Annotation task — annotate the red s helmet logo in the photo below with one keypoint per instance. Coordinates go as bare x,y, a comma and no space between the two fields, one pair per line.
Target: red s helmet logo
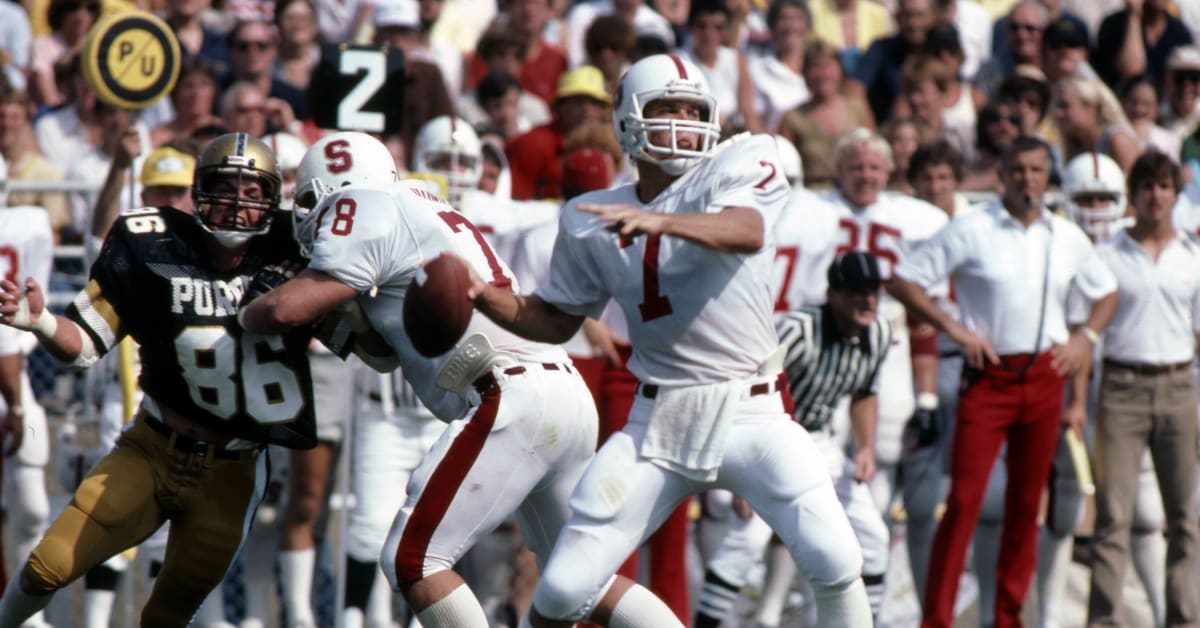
338,154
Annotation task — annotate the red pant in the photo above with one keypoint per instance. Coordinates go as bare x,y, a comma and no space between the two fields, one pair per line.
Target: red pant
1027,411
668,546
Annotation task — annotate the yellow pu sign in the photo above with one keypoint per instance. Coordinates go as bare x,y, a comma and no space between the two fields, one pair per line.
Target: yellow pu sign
131,59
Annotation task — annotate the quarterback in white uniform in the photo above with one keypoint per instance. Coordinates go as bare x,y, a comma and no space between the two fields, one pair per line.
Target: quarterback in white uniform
26,249
888,226
686,253
522,423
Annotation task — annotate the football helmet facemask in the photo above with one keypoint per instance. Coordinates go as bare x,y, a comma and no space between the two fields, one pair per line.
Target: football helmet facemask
1095,175
224,165
448,146
659,77
333,162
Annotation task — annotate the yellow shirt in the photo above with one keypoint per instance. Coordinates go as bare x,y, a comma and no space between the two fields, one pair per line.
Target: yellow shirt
871,21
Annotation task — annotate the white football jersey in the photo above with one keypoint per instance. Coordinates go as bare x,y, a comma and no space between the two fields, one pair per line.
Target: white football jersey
26,250
375,238
806,240
695,315
504,221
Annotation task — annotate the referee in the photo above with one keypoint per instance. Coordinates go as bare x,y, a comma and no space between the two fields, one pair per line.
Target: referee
833,351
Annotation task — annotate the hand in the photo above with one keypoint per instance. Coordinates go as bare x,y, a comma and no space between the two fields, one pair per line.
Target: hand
128,147
921,430
1072,357
1074,417
627,220
1135,7
269,278
12,429
601,338
977,351
478,285
864,464
279,113
741,508
21,311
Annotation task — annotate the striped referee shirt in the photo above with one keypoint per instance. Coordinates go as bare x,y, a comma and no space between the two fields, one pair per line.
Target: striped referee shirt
822,366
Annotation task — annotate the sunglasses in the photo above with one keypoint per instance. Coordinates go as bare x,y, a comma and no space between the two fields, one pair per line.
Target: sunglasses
244,46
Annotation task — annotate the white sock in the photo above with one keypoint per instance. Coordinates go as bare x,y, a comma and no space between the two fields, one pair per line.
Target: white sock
639,608
781,570
98,605
17,606
379,604
296,573
1149,553
459,609
1053,567
844,605
352,618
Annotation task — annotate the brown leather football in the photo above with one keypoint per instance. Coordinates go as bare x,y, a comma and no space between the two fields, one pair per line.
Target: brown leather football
437,310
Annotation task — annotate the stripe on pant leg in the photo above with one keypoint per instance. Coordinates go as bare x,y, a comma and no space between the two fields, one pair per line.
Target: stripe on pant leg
443,485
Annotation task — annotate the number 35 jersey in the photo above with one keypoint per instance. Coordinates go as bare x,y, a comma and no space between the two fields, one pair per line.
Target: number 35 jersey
154,281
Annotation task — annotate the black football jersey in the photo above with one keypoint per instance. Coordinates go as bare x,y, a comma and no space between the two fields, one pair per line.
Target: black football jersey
154,281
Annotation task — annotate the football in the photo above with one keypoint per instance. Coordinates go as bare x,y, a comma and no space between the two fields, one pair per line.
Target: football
436,308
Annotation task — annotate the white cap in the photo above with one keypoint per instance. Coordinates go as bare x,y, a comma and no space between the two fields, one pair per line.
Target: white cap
397,13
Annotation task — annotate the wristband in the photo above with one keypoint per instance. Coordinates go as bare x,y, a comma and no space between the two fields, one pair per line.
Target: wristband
45,326
927,401
1090,334
17,410
241,316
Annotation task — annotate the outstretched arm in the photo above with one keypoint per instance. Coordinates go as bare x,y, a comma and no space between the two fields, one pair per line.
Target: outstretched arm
525,315
301,300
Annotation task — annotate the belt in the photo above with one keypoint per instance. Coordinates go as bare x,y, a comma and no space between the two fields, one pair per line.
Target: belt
952,353
650,391
1148,369
187,444
487,380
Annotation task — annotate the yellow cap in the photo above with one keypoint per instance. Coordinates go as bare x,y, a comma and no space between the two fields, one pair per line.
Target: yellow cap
583,81
167,167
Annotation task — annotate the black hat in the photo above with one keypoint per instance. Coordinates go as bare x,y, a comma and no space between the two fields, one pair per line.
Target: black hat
853,270
1064,33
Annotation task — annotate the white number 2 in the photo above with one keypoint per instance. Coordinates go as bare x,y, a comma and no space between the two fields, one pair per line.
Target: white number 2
350,110
209,360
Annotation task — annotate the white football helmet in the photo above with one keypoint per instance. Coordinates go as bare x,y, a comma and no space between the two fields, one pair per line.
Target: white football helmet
1094,174
448,146
789,160
333,162
289,150
659,77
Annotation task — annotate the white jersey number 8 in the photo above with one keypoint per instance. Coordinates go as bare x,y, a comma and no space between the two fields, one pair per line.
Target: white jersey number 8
209,358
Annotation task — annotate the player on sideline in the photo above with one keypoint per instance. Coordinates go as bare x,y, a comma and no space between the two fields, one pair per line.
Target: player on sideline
686,254
522,423
214,395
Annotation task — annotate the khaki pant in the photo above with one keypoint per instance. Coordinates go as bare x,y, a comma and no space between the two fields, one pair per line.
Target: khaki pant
1136,410
208,495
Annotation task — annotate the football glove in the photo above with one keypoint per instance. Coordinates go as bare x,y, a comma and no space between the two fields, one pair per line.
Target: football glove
921,430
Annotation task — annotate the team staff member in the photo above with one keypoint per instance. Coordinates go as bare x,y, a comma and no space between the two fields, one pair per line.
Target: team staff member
1018,355
1148,393
213,395
834,351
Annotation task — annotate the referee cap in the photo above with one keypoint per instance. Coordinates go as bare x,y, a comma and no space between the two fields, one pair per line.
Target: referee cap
853,270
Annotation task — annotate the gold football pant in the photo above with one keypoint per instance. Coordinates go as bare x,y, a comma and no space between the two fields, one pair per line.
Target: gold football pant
151,476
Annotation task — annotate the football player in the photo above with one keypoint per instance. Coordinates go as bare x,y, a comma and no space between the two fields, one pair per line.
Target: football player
522,424
685,252
214,395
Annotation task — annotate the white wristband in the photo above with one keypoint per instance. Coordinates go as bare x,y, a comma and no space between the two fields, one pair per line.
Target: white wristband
45,326
927,401
1090,334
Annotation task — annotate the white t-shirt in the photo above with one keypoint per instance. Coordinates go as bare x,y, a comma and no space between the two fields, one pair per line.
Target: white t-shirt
26,250
391,231
1159,312
777,89
998,267
695,315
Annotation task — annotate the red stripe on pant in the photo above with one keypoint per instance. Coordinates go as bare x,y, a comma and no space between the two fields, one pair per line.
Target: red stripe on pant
668,545
1027,411
443,485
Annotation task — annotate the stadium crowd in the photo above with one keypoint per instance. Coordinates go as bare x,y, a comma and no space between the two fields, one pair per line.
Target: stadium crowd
1023,177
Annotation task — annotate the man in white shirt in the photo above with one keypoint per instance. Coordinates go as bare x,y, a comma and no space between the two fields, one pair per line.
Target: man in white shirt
1012,265
686,254
1148,393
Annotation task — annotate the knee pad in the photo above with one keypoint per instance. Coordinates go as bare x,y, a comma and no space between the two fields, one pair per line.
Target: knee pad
562,595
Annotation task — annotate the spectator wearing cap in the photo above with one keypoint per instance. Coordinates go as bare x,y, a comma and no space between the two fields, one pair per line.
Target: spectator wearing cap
870,19
540,64
534,156
165,180
1181,111
1023,30
1065,51
253,48
646,22
778,77
723,67
1013,264
25,160
406,25
877,74
1148,395
1138,40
